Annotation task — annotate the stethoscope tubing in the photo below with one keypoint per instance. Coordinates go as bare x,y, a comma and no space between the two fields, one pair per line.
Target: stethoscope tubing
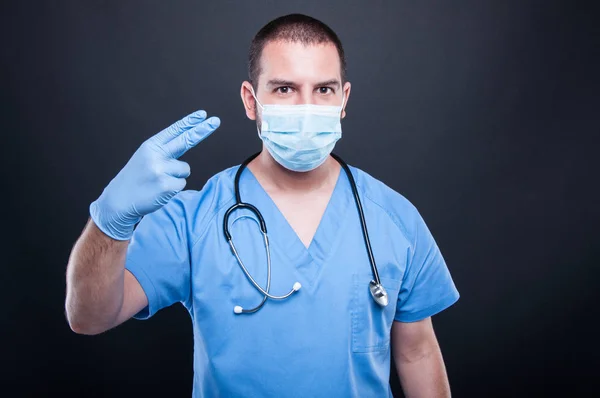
377,290
361,214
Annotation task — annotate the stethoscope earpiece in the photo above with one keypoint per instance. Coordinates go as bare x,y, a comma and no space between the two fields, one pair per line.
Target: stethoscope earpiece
239,310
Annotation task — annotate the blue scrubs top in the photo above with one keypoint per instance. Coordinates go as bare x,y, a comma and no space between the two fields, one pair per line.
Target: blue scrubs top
329,339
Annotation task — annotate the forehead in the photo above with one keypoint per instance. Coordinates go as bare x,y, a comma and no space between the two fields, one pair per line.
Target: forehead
299,62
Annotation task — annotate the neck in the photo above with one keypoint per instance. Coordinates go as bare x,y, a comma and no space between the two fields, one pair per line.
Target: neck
277,178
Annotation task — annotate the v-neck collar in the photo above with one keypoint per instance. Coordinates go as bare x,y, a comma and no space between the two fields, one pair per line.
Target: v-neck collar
308,262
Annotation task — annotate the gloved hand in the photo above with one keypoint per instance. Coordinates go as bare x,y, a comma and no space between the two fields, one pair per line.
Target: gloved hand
151,178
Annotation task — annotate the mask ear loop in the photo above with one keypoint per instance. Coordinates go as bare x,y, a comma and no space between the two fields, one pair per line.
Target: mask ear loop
261,107
256,99
343,102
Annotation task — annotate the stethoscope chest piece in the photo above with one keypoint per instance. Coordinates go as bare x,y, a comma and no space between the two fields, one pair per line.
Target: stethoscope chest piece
379,294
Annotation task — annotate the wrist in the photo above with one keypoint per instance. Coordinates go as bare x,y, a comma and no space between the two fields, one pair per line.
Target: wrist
109,222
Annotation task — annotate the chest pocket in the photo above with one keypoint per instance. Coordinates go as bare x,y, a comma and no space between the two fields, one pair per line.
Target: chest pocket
371,323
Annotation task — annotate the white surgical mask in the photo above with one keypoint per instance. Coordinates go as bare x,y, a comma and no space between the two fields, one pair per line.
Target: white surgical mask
300,137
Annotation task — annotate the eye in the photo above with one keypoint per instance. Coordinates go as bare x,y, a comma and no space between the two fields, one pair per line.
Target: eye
283,89
325,90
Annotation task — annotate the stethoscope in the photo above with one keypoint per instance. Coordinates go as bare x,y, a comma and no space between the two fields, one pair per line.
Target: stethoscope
377,290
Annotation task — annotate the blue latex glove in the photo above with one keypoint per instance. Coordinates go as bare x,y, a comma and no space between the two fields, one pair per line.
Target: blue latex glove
151,178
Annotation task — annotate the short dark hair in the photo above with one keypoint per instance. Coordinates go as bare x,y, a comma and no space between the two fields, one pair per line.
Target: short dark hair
294,28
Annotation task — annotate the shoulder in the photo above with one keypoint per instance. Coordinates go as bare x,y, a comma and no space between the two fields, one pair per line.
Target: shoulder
197,207
400,210
219,185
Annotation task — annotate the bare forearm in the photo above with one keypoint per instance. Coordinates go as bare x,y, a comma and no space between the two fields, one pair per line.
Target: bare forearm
423,374
95,281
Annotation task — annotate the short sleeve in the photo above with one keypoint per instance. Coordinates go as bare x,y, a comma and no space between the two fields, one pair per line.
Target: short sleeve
158,257
427,287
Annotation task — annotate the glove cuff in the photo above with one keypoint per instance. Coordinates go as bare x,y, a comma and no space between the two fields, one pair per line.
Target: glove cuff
111,226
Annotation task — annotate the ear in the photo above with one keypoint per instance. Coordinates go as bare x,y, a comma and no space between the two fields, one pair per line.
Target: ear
346,91
248,100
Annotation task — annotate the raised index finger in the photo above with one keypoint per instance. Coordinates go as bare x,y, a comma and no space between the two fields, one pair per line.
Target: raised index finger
180,126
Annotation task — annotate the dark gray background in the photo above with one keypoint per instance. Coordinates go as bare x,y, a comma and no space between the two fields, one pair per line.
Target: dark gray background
483,114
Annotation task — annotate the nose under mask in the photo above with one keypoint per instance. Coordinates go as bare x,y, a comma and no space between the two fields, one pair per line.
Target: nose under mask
300,137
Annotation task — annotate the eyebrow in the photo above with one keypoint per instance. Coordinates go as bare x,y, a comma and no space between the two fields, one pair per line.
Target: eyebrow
281,82
331,82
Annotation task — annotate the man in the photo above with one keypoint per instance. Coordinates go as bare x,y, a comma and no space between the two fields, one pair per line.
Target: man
333,333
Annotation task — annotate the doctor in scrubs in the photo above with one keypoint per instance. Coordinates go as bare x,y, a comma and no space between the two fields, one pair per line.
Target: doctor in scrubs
281,298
